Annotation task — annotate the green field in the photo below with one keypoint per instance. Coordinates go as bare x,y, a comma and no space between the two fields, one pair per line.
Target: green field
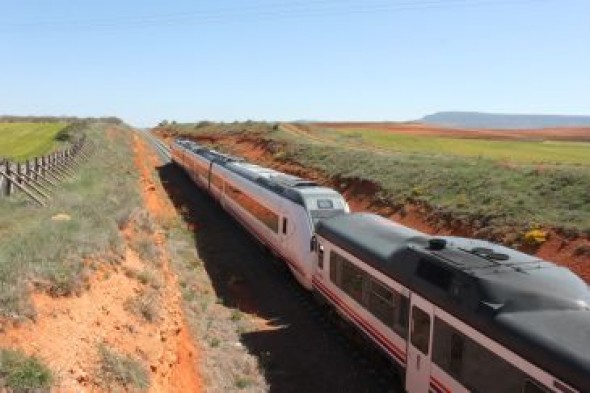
21,141
554,152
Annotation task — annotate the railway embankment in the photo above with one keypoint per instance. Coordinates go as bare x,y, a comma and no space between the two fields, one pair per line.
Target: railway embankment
88,299
537,208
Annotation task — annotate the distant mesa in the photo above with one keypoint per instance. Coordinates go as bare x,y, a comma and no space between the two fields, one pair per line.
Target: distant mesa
503,121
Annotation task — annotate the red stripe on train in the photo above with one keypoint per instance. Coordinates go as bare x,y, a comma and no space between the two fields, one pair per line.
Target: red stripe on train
437,384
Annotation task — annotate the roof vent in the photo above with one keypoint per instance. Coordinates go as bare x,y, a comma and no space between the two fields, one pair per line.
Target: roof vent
437,244
498,257
488,253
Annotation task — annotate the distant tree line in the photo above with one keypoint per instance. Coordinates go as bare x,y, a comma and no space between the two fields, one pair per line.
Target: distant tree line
70,132
60,119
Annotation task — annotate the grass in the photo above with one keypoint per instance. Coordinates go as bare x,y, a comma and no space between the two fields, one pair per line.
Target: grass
53,254
555,152
481,190
497,187
21,141
146,305
117,370
19,372
150,277
143,244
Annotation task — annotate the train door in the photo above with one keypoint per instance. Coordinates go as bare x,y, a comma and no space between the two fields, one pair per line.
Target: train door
419,345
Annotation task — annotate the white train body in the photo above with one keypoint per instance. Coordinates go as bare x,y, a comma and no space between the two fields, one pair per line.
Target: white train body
278,209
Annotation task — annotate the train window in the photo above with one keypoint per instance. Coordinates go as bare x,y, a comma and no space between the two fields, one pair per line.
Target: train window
320,256
475,367
335,268
284,225
216,180
402,315
420,330
456,354
263,214
352,280
380,302
434,274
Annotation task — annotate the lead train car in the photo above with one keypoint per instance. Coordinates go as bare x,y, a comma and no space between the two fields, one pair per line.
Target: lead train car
280,210
455,314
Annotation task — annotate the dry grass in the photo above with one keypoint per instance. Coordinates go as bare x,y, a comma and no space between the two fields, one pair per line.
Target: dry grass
147,250
119,371
52,253
146,305
226,364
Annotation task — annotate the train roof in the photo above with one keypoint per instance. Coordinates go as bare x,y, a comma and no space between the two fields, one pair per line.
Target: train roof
288,186
530,305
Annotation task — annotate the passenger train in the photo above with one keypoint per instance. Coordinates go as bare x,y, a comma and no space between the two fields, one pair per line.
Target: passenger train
280,210
453,314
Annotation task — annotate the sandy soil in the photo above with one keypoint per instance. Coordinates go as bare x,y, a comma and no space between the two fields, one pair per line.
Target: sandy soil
68,331
360,196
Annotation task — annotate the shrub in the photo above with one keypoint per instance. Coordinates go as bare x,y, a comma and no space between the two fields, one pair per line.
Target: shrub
147,251
535,237
149,277
117,369
20,372
145,305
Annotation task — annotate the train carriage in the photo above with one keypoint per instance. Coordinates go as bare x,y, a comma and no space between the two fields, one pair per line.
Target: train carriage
457,315
280,210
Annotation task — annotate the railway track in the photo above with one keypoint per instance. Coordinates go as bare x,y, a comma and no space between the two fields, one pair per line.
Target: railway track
160,147
307,348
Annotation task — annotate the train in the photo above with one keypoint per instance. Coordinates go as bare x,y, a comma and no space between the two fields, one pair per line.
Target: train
279,210
452,314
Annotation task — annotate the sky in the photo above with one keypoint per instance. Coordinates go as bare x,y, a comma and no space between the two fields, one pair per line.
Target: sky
225,60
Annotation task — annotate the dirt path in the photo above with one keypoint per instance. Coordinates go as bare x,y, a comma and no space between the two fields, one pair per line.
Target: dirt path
68,332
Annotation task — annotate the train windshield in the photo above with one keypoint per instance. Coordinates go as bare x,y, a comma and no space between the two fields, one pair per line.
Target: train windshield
324,206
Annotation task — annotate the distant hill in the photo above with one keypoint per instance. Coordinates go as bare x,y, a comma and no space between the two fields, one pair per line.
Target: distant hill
491,120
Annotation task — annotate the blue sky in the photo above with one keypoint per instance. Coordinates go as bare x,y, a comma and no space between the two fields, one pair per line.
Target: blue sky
185,60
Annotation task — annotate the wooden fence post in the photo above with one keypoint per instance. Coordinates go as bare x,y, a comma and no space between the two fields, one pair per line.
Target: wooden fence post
10,186
2,178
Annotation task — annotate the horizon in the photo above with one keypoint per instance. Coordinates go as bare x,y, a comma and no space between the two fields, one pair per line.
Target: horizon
260,60
418,120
